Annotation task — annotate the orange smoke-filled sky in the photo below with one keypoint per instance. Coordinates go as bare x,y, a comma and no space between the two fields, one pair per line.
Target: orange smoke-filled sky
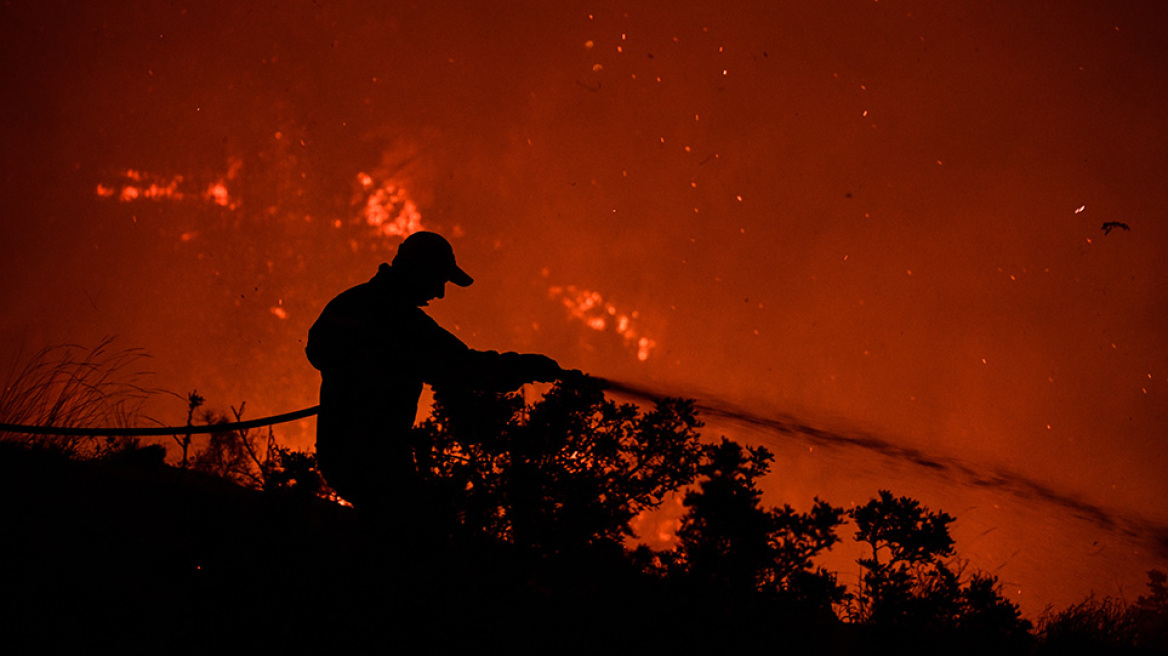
879,216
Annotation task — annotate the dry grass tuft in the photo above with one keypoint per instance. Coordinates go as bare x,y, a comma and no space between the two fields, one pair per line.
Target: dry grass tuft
70,386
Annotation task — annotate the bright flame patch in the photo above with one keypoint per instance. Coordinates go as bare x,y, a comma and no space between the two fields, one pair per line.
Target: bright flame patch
388,208
134,185
600,315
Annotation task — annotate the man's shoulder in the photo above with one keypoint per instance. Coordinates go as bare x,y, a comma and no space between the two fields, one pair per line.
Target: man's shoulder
367,302
359,291
358,299
417,318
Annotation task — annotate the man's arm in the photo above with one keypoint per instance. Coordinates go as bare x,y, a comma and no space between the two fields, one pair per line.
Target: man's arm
447,361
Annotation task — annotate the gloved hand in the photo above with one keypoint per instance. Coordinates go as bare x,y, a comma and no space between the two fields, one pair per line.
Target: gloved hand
541,368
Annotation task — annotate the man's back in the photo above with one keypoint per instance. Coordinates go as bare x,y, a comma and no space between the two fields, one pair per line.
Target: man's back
374,349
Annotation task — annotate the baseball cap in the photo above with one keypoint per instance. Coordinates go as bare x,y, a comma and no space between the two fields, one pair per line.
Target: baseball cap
430,250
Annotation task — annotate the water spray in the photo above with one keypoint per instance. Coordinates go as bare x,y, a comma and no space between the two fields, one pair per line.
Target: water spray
947,467
950,468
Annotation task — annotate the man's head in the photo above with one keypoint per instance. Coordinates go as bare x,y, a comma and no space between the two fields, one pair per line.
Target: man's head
425,262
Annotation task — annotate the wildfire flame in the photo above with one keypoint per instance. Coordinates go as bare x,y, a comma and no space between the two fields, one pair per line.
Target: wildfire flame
388,208
596,313
136,185
217,191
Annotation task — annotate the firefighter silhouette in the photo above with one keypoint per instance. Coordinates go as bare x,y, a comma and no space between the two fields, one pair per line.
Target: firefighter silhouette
375,347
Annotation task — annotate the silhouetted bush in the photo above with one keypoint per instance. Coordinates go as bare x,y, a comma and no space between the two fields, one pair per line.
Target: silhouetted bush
1093,626
568,471
131,452
1149,615
1105,625
295,472
910,593
731,545
255,460
905,581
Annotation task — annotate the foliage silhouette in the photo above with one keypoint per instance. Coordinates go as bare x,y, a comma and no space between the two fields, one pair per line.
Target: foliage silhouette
560,479
729,543
911,574
248,459
910,589
1149,615
1092,626
131,452
567,472
1108,626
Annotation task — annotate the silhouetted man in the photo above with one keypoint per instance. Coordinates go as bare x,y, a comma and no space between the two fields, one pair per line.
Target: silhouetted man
374,347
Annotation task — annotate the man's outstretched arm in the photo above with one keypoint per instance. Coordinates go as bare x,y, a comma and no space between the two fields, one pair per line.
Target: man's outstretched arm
447,361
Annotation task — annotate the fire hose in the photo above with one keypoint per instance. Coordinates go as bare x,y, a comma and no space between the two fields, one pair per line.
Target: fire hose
117,431
158,431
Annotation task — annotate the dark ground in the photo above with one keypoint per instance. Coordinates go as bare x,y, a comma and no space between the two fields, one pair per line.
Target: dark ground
148,557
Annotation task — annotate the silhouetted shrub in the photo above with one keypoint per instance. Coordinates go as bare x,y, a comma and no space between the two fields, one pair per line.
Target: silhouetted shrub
1149,615
295,472
131,452
256,460
729,542
569,470
911,594
1092,626
1107,626
905,581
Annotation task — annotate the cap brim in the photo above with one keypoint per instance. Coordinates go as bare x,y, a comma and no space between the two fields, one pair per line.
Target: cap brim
459,277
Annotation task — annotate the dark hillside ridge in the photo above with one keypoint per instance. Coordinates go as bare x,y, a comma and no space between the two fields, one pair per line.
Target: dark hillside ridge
145,556
141,550
136,556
